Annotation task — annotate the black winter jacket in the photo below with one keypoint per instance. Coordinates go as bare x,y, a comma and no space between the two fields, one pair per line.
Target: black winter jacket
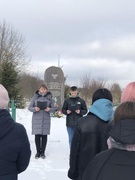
14,147
88,140
115,163
71,119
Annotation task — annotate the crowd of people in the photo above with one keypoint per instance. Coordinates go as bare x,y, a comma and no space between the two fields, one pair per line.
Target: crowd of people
101,140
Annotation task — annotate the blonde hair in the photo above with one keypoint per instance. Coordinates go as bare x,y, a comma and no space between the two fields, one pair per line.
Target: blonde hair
128,93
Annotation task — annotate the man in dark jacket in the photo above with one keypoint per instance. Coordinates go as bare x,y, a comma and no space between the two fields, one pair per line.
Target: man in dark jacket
90,137
14,144
74,108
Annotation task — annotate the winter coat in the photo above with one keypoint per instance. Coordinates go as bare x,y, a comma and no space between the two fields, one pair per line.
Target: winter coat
89,139
115,163
71,119
14,147
41,119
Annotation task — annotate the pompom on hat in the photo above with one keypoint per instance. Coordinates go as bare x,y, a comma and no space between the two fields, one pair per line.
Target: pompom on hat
4,98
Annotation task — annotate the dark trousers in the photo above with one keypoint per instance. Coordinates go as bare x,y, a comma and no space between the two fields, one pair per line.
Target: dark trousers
40,141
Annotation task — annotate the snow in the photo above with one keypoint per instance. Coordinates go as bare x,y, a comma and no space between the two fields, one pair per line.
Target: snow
56,163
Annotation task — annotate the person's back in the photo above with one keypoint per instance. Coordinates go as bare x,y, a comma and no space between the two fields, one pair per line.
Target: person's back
92,140
113,164
119,161
14,145
90,135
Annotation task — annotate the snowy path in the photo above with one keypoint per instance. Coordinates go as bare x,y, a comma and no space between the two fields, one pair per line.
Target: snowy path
55,165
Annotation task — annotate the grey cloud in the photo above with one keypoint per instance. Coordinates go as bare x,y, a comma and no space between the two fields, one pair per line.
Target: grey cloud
81,32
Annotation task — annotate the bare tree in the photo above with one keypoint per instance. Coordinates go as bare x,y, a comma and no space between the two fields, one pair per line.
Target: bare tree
13,60
97,83
28,84
85,86
116,92
12,47
89,85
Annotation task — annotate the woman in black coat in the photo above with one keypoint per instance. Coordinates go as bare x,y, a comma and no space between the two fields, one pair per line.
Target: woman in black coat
118,162
14,144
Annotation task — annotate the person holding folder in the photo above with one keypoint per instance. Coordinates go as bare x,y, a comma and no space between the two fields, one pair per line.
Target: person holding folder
42,104
74,108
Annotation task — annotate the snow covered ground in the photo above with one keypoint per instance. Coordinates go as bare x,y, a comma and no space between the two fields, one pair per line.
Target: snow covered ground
56,163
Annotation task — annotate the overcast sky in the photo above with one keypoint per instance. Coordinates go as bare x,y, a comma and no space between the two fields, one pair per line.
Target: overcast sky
93,37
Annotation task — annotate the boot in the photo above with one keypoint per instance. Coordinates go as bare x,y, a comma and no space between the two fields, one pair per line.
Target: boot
42,155
37,155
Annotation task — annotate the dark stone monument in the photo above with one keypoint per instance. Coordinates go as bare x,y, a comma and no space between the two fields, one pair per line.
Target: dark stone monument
54,79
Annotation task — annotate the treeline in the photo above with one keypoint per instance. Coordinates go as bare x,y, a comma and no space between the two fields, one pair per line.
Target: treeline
88,85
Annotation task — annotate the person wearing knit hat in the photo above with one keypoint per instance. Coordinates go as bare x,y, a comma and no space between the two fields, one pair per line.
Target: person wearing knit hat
4,98
14,144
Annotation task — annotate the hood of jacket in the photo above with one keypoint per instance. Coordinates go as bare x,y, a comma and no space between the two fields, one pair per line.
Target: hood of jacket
70,96
6,123
48,94
123,131
103,109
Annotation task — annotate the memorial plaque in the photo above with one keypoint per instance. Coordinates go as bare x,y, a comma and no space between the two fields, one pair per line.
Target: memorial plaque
54,79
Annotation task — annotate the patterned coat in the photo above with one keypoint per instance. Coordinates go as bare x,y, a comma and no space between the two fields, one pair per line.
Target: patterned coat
41,120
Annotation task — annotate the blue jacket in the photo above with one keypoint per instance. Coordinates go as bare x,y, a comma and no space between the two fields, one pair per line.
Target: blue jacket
14,147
